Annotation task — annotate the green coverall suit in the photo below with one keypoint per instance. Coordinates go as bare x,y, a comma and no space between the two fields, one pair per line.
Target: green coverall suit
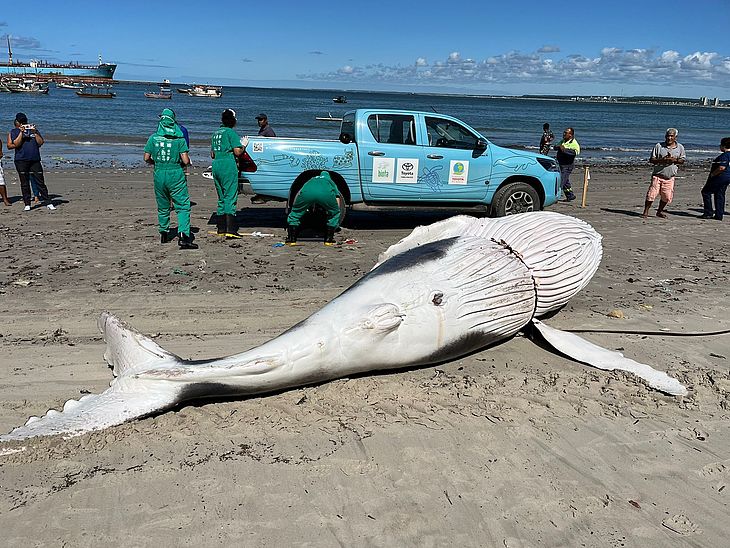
225,169
322,191
165,147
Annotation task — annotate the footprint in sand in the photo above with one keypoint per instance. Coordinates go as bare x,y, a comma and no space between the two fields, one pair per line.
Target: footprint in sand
681,525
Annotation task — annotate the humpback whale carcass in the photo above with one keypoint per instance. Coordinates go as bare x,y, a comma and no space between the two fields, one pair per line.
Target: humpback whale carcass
444,291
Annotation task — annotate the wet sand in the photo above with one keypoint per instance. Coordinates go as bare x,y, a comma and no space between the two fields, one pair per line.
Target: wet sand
513,446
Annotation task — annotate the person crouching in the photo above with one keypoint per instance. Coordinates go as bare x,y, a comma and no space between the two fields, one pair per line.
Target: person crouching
167,150
322,191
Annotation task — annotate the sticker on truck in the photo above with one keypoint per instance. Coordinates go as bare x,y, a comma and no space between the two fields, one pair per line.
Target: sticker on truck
458,172
407,170
383,170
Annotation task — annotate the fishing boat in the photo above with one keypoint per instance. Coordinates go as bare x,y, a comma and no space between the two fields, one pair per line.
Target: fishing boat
96,92
25,85
164,93
69,85
339,99
45,69
197,90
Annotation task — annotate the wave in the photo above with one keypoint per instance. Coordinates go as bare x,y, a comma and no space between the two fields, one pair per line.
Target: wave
105,143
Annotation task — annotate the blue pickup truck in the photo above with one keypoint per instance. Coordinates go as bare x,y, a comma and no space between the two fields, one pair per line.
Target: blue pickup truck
393,159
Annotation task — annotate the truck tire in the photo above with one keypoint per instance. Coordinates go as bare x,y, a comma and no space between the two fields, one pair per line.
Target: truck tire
316,218
513,198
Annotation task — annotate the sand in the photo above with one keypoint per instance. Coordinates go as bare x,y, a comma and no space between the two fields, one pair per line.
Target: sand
512,447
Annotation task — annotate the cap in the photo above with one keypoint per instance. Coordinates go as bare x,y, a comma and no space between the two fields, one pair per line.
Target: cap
261,116
21,118
233,112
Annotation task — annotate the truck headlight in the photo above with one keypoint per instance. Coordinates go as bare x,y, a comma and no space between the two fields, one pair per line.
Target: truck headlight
549,165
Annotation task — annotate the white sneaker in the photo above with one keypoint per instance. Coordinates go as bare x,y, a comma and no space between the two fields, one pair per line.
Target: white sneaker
26,208
51,207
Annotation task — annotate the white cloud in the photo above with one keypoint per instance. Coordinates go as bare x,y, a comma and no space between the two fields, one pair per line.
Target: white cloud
548,49
615,65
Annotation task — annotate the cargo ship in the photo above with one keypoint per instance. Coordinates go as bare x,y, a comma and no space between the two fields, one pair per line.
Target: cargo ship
51,71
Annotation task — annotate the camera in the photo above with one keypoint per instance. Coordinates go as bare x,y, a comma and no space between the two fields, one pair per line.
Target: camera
28,129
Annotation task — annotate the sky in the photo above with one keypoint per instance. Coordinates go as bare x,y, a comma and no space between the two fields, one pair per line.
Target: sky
670,48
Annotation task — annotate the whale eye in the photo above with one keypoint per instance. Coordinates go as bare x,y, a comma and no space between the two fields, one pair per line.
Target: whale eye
437,299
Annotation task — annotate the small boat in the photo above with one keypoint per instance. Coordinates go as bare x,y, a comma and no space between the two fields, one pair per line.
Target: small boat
328,118
96,92
205,91
164,93
73,85
25,85
339,99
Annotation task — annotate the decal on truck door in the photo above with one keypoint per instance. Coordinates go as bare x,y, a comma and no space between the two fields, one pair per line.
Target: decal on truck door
407,170
383,170
458,172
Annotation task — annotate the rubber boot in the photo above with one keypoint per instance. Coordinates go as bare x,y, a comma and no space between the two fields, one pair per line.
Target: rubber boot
329,238
292,232
185,241
221,225
166,237
231,227
4,195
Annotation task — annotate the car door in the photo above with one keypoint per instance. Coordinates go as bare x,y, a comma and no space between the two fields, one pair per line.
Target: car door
389,157
457,161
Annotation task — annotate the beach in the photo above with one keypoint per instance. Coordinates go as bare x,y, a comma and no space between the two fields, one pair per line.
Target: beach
513,446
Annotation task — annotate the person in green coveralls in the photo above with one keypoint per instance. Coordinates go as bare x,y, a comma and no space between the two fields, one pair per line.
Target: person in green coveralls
322,191
225,147
167,151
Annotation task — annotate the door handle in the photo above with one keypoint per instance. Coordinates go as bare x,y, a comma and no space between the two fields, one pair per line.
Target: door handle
376,153
435,157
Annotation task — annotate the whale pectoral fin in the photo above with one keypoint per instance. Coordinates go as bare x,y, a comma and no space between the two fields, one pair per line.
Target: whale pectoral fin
119,403
586,352
382,318
127,348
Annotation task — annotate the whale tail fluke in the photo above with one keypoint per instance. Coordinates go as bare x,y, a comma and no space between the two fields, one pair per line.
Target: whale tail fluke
586,352
124,400
128,397
128,349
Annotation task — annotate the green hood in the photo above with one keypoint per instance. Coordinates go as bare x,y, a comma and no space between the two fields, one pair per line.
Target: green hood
168,126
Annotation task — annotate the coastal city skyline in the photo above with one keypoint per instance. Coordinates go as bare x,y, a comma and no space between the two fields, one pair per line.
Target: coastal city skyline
532,48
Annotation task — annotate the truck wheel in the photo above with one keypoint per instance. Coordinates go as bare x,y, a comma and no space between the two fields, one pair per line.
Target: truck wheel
515,198
316,217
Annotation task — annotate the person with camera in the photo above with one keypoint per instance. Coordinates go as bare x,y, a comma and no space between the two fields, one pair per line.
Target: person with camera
26,140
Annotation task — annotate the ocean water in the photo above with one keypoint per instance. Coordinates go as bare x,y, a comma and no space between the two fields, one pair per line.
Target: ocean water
112,132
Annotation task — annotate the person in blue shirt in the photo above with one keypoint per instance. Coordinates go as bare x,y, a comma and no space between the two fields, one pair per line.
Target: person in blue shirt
717,183
26,140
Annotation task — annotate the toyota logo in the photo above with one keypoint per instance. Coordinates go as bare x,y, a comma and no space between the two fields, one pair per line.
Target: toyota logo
408,166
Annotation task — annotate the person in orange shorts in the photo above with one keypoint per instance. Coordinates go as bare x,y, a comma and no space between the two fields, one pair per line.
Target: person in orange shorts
665,157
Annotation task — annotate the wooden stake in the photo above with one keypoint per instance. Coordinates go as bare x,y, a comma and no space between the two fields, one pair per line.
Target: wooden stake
586,178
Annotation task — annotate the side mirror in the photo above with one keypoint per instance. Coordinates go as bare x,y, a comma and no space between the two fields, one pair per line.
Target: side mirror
345,138
479,147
